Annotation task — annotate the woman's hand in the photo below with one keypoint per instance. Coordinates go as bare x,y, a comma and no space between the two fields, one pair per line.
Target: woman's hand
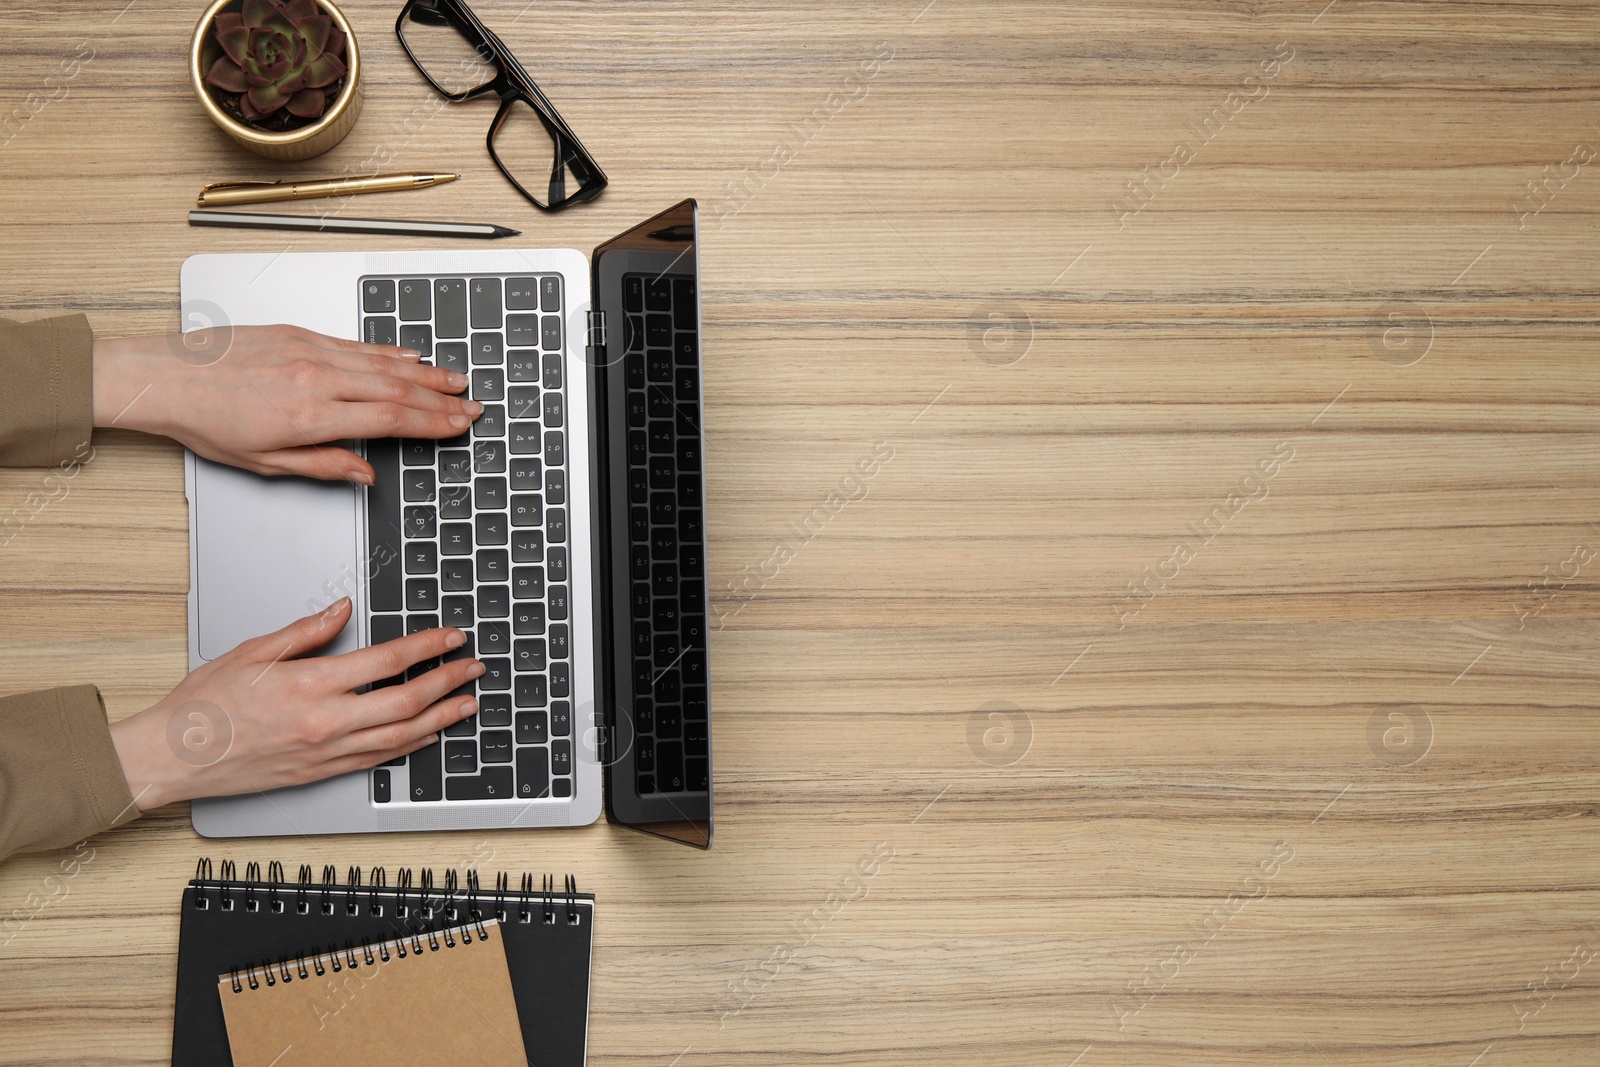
270,398
259,718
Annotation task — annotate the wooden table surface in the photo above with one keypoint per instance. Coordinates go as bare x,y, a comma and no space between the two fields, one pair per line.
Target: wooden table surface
1209,661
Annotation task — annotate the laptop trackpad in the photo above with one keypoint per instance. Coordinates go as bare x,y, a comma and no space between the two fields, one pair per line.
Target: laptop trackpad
269,551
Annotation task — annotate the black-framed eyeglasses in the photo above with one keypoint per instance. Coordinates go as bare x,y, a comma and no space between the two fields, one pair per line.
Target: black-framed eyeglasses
462,59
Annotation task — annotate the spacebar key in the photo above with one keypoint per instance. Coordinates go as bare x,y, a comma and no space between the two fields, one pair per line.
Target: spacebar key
384,561
493,784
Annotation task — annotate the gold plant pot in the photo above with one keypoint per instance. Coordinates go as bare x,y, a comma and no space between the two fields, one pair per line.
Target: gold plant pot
307,141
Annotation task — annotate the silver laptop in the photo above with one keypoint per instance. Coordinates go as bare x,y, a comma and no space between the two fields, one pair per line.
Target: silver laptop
564,533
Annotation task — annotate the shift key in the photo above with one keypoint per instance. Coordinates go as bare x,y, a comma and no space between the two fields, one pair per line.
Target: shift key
426,774
533,773
383,526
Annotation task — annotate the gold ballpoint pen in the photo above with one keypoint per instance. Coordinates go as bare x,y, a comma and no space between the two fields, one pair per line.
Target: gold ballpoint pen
222,194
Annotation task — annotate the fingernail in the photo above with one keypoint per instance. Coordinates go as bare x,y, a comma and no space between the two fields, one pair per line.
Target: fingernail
460,422
410,354
455,639
475,670
360,477
457,379
473,408
469,707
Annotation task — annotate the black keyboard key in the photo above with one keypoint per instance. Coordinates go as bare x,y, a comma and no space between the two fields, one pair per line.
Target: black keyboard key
638,411
524,439
666,651
555,449
635,373
416,453
689,454
495,710
662,473
533,773
385,628
644,716
669,766
522,294
662,439
496,676
559,642
663,508
491,422
696,741
550,333
522,331
692,561
485,303
556,565
494,746
689,490
552,410
383,527
455,502
560,680
555,525
380,786
527,583
455,465
451,355
457,611
560,757
527,510
529,656
555,599
658,332
460,757
455,539
555,487
422,557
487,349
419,339
522,365
638,485
694,702
658,366
527,618
527,546
493,602
491,530
494,638
638,448
489,494
552,371
658,294
422,594
462,728
658,402
493,784
550,293
526,475
669,721
522,402
664,543
416,300
488,383
533,727
693,665
450,307
426,773
686,387
419,483
415,624
644,755
419,521
489,457
696,774
377,296
641,565
561,719
633,293
492,563
641,638
531,691
639,525
684,304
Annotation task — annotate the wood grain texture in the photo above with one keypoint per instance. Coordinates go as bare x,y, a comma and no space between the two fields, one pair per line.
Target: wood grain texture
1353,673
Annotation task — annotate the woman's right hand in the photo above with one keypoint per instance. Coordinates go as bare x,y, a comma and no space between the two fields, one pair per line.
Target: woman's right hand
259,717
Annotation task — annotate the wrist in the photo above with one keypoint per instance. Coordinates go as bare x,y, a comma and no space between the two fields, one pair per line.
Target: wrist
126,375
154,777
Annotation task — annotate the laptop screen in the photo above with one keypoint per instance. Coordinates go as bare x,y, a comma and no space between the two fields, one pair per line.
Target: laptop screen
650,548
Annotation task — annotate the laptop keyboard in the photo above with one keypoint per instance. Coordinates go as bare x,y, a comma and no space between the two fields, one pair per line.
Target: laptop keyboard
472,532
666,533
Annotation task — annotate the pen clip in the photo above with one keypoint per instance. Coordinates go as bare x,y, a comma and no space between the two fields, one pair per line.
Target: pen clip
234,185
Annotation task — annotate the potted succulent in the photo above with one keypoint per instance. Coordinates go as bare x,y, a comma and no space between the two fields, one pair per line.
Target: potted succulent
281,77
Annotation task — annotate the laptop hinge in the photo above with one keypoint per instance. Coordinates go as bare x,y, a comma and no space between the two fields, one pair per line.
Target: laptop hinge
597,330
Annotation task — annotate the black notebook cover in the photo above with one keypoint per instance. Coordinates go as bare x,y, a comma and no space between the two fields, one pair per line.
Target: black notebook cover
235,925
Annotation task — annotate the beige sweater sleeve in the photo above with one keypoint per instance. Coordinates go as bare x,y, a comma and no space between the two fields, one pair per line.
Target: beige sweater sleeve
47,403
60,779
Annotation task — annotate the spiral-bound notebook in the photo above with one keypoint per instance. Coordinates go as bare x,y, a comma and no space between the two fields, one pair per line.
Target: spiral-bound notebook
243,926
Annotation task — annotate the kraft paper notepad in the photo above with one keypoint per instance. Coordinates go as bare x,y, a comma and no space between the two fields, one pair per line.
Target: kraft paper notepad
416,1001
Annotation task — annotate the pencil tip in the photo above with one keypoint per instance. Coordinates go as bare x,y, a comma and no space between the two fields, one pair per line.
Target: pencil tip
501,231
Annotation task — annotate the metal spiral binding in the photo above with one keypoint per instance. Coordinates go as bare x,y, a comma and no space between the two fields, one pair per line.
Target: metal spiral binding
572,900
402,886
301,883
202,873
549,900
276,879
330,878
351,886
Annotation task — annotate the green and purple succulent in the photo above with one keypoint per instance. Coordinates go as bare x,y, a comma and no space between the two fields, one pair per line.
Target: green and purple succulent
277,55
